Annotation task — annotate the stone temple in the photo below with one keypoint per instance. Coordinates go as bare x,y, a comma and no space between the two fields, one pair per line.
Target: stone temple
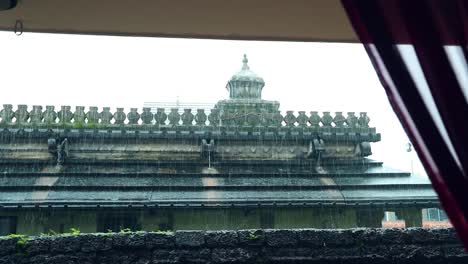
241,165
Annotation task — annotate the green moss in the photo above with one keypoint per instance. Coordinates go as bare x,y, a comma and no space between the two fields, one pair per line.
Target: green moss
163,232
253,236
78,125
21,243
125,230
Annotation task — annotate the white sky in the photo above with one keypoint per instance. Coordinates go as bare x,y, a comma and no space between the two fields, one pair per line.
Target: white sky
75,70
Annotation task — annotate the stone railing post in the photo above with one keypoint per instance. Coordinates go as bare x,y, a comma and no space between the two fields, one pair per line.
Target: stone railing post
79,117
302,119
22,114
327,119
174,117
93,115
351,119
363,120
119,116
50,115
200,117
106,116
213,117
146,116
160,116
36,114
339,120
187,117
314,119
290,119
65,115
7,113
133,116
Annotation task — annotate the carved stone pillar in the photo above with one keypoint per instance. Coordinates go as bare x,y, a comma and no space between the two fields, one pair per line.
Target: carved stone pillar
371,217
314,119
147,116
412,216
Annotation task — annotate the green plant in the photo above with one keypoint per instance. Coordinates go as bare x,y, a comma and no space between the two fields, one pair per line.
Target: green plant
21,244
74,231
253,236
51,232
126,230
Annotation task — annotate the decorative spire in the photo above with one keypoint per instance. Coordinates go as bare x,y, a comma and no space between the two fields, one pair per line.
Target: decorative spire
245,61
245,84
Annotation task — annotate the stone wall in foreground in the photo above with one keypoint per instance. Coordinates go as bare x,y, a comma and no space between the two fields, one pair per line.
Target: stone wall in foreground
245,246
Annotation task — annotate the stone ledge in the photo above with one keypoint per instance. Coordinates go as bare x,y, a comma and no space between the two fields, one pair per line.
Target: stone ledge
243,246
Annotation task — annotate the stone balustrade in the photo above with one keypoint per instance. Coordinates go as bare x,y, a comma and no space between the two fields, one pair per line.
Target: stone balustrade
50,116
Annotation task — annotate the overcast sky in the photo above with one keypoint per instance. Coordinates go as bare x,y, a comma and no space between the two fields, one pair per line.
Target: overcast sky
57,69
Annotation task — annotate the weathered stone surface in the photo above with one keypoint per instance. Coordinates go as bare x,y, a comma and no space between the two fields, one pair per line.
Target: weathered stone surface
159,240
251,237
321,238
281,238
351,246
189,238
7,246
234,255
221,238
93,243
37,245
63,244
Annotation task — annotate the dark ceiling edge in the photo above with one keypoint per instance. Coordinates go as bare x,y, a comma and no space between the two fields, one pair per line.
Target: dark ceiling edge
184,36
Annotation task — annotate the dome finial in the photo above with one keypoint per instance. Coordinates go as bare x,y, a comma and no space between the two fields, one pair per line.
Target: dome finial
245,61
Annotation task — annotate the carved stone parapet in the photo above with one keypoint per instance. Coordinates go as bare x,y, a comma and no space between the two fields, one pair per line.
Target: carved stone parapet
187,117
302,119
49,114
119,116
79,117
351,119
160,116
106,116
327,119
22,114
7,113
174,117
339,120
65,115
200,117
146,116
290,119
213,117
226,118
93,115
314,119
133,116
252,120
36,114
277,119
363,120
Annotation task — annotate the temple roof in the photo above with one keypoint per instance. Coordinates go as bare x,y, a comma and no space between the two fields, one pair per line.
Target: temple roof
195,185
244,152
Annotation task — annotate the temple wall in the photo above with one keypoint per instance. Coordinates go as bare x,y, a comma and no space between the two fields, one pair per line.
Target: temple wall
344,246
89,221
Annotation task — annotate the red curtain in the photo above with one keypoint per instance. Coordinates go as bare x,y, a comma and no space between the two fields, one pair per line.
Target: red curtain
419,49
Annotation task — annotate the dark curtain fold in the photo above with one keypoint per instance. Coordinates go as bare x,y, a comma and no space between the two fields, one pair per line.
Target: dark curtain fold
419,49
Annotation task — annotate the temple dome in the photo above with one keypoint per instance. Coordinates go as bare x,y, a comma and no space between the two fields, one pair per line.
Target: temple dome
245,84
